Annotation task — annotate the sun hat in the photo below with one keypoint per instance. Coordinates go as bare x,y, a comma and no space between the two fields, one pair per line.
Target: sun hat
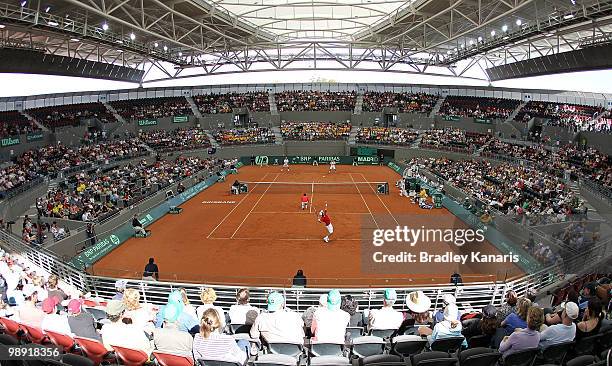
418,302
449,299
275,301
74,306
334,300
451,312
171,313
120,284
571,309
390,294
323,300
114,307
49,304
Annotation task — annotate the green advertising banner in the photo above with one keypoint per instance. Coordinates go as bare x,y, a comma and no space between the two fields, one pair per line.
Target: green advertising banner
35,136
485,121
451,118
343,160
10,141
180,119
126,231
147,122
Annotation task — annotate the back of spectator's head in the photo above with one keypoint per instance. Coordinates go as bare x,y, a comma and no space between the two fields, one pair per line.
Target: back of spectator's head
299,272
208,295
49,304
448,299
511,298
418,302
29,292
590,289
451,312
184,296
151,260
114,310
210,322
131,299
572,295
522,307
323,300
171,313
334,300
390,296
535,318
74,306
571,310
489,312
531,294
120,285
349,304
243,296
276,301
594,308
53,281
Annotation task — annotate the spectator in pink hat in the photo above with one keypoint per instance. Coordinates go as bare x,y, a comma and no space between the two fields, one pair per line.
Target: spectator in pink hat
82,324
53,321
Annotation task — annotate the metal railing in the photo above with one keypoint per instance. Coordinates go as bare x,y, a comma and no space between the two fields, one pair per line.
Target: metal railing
469,296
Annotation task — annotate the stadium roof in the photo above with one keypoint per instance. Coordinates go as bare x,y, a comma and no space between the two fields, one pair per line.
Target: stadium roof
183,38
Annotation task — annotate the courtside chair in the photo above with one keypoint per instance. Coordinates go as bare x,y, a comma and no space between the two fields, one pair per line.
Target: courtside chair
11,327
554,353
380,360
171,359
605,342
286,348
481,340
433,358
382,333
354,332
521,358
408,345
449,345
34,334
129,356
367,346
240,328
586,346
581,361
318,349
480,356
329,361
98,314
64,341
93,349
273,360
76,360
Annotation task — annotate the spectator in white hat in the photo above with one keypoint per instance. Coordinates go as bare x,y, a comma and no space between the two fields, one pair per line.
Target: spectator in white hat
450,327
563,332
418,319
386,317
27,312
119,288
309,313
446,300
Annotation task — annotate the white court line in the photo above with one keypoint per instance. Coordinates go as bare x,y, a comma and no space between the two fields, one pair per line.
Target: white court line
364,201
381,201
307,213
235,207
311,197
255,205
285,239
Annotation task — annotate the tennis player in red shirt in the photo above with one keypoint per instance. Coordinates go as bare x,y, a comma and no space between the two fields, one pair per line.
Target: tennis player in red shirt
305,200
324,218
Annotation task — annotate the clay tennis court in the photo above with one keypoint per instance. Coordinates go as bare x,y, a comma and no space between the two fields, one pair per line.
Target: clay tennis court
262,237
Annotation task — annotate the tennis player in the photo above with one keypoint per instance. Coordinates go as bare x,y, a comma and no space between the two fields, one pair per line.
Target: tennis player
285,164
332,167
305,200
324,218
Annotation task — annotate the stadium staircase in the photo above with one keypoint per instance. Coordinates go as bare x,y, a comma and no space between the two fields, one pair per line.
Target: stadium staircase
352,140
194,107
358,104
273,107
117,116
32,119
278,136
437,107
212,140
515,112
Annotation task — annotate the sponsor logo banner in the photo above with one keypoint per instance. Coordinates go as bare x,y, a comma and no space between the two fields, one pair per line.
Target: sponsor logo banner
147,122
35,136
180,119
10,141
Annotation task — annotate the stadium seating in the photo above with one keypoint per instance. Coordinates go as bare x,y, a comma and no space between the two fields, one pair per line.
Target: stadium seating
404,102
225,103
244,136
386,136
312,131
478,107
151,108
315,101
14,123
71,114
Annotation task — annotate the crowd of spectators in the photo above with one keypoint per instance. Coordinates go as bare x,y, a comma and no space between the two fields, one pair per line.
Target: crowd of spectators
478,107
311,131
71,114
404,102
52,159
541,252
175,140
151,108
91,196
453,139
244,136
201,329
520,191
302,100
225,103
386,135
572,116
14,123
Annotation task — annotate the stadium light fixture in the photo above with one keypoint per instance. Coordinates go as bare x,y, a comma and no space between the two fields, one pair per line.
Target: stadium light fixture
105,26
53,23
493,33
165,48
75,40
2,26
568,16
132,36
180,54
156,44
519,22
24,3
479,39
504,28
47,9
471,42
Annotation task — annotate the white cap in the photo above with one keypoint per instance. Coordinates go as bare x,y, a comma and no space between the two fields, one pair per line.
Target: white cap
451,312
572,310
449,299
28,290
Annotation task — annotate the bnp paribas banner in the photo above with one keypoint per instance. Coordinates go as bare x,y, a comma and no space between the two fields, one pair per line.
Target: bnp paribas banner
306,159
126,231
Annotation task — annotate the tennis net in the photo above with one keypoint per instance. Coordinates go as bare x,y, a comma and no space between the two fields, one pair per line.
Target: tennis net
317,187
